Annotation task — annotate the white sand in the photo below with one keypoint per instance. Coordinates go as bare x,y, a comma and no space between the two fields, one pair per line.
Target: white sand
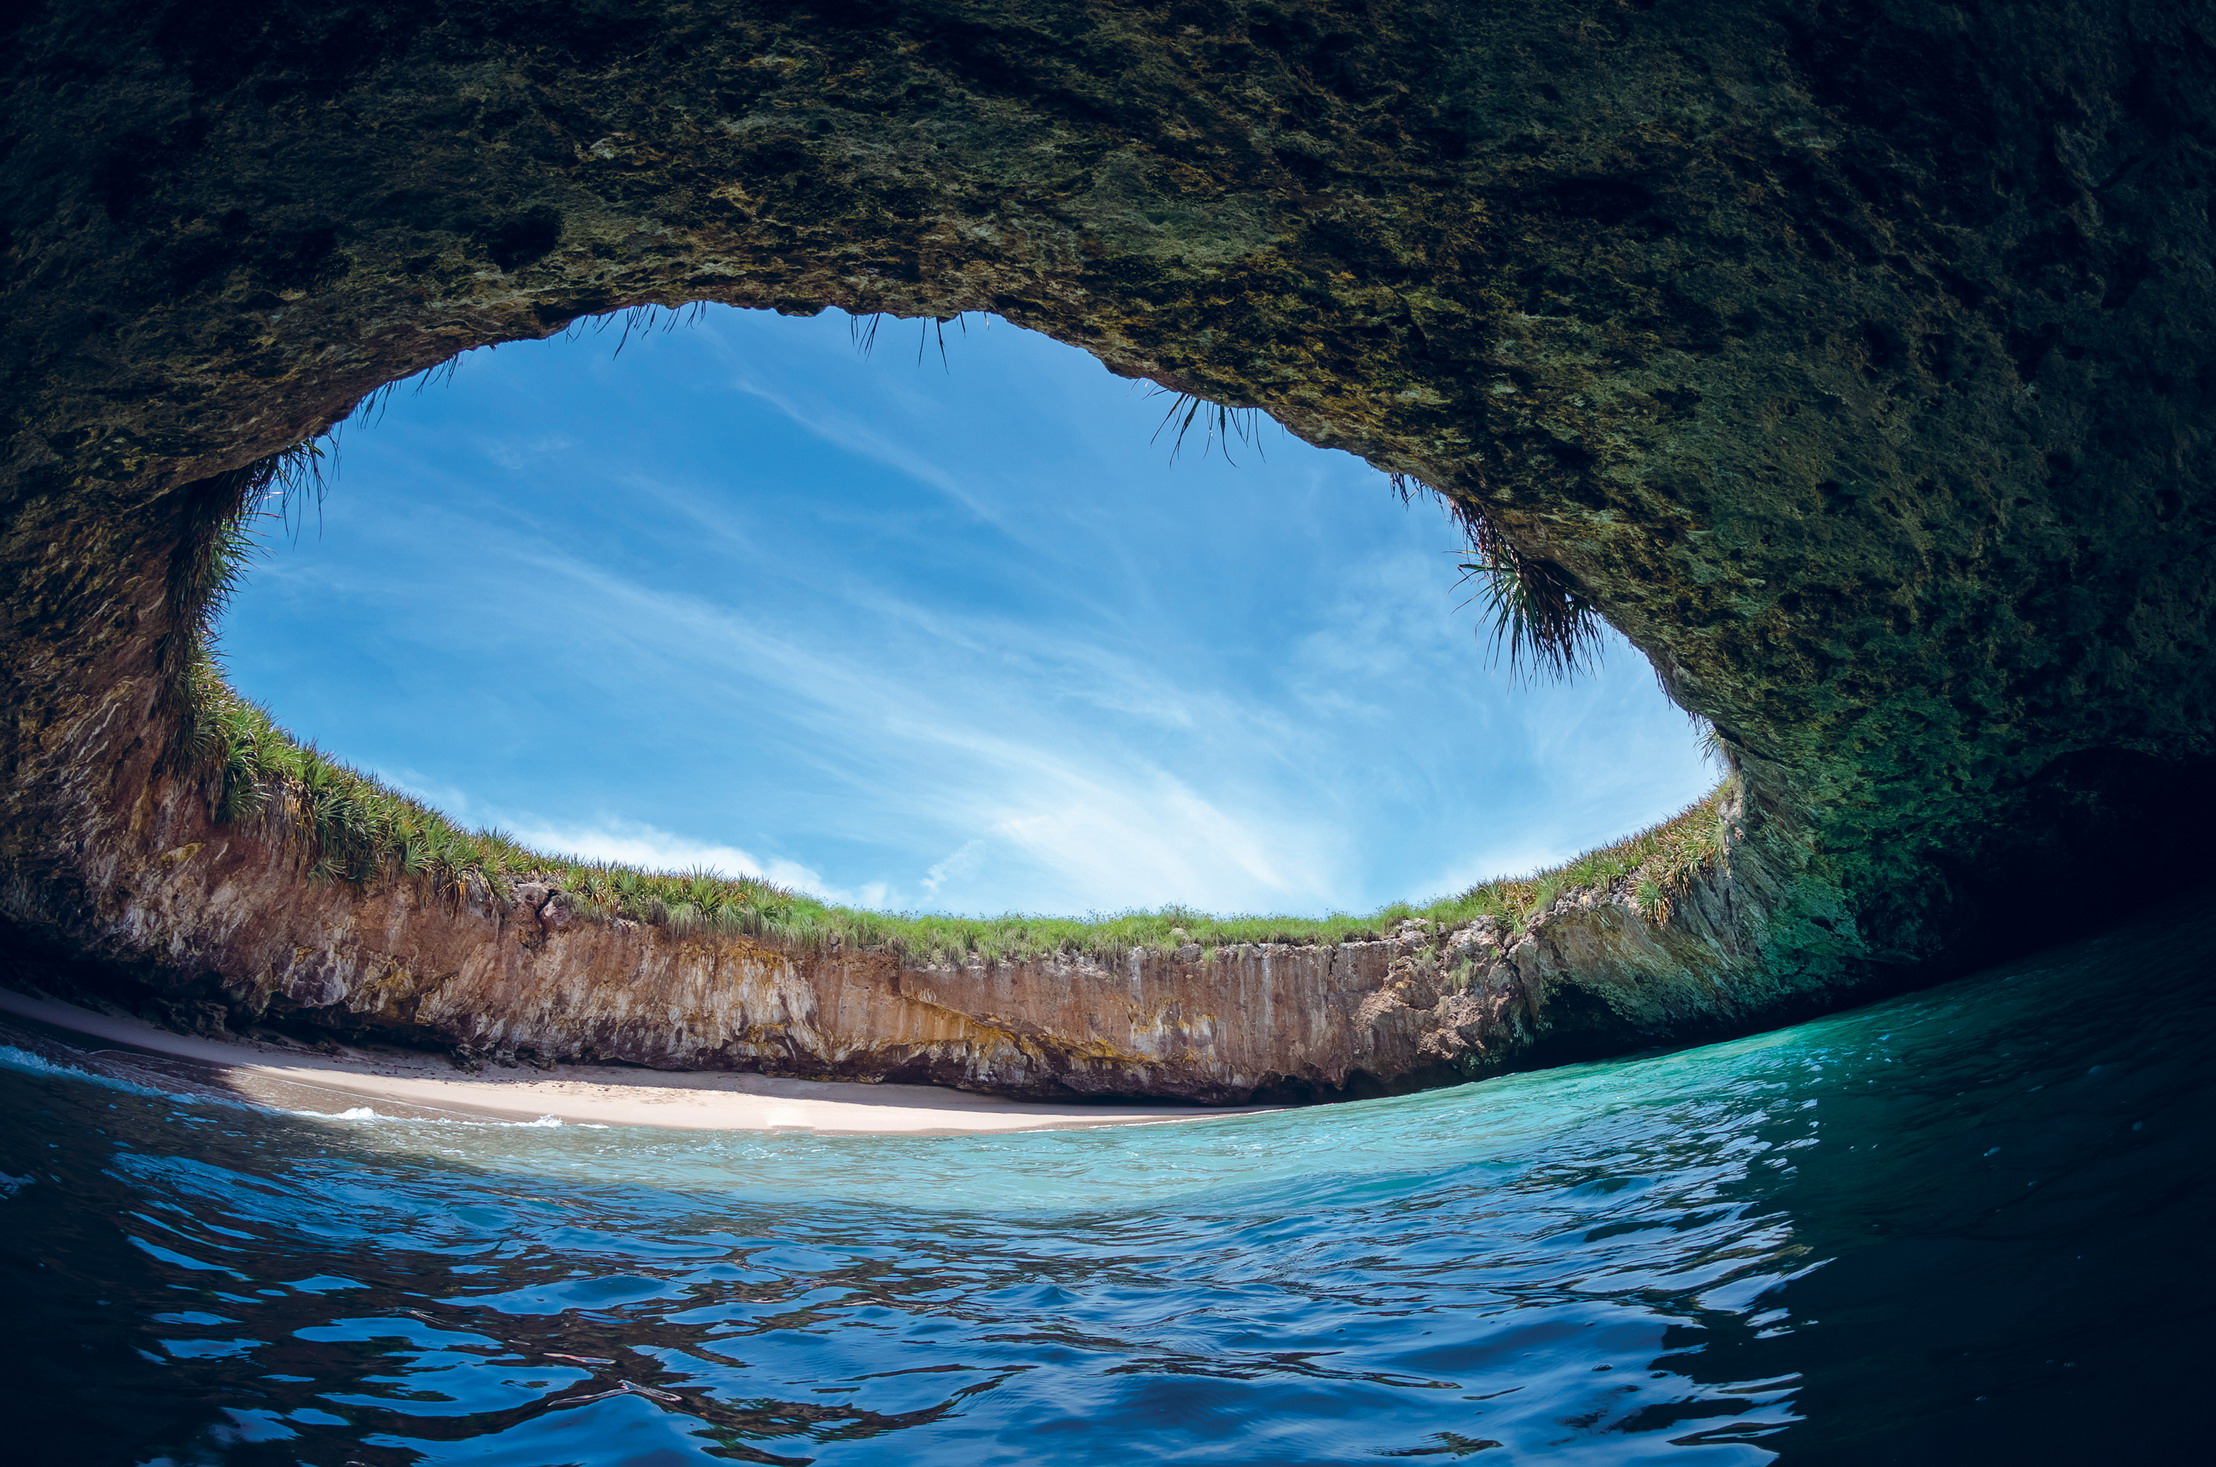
299,1079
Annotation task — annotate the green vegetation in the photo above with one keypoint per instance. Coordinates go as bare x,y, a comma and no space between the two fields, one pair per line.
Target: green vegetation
1543,622
363,831
1219,425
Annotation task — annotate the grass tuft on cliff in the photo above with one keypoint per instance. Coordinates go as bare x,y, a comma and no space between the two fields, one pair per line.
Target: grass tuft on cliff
360,830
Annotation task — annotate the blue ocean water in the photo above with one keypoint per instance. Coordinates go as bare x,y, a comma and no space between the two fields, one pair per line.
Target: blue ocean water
1969,1225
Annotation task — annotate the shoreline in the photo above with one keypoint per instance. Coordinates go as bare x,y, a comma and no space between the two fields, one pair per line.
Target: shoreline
304,1081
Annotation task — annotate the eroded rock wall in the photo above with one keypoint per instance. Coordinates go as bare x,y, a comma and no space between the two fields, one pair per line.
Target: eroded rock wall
220,926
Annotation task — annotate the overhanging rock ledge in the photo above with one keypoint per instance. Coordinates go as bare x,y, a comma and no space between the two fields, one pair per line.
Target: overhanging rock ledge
1854,359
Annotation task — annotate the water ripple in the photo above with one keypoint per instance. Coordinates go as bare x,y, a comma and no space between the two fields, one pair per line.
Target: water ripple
1959,1224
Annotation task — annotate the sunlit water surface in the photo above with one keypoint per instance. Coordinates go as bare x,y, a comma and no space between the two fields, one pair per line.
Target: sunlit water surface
1965,1226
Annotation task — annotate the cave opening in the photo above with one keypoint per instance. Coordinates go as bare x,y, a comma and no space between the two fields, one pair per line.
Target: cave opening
1852,359
941,616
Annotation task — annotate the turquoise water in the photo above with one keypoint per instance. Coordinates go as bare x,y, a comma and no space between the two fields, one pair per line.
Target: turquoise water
1965,1226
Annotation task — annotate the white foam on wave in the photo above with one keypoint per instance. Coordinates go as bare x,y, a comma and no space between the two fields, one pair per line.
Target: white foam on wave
371,1113
14,1058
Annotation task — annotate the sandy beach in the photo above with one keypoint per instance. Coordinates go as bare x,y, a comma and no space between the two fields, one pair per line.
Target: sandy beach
299,1079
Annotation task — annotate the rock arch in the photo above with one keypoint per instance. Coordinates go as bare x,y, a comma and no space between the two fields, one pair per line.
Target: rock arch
1852,356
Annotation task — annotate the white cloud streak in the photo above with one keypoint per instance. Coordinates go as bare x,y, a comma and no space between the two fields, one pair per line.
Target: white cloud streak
636,843
978,744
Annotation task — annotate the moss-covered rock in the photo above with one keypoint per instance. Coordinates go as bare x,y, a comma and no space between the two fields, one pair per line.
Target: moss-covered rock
1853,357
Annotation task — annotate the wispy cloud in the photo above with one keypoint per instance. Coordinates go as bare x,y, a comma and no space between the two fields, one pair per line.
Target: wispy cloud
631,842
635,843
853,432
1004,761
1089,687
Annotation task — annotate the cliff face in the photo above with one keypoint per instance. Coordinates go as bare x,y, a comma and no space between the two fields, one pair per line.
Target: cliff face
1854,357
221,926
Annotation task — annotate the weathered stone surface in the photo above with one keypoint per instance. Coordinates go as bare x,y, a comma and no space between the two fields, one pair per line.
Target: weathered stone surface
1854,356
224,922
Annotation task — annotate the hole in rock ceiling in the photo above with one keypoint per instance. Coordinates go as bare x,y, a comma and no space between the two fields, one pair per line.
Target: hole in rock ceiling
953,635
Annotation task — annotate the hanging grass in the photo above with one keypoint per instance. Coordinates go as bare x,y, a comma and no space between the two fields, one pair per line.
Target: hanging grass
1219,425
362,831
1541,622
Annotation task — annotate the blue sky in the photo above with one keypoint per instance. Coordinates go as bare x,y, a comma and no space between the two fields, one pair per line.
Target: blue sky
954,636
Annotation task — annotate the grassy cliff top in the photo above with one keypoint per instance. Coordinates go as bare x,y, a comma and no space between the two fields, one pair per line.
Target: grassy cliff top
361,830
